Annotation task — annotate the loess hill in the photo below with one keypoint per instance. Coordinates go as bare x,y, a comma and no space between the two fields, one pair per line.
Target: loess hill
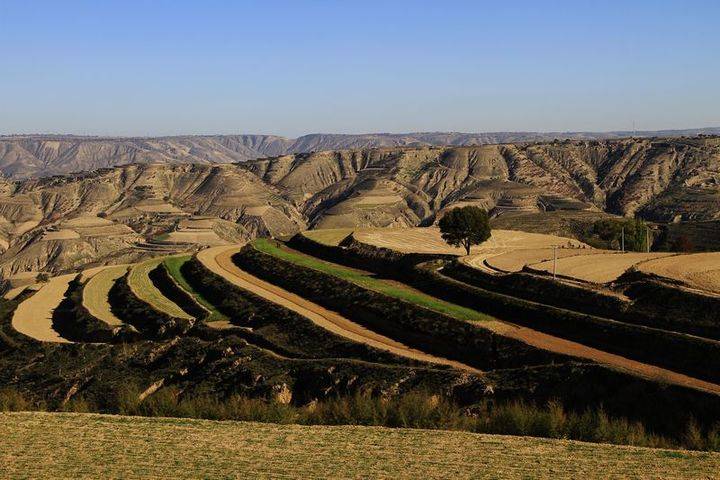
122,214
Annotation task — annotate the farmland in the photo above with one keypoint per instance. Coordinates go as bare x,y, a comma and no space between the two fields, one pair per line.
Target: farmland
95,293
597,268
699,270
97,446
428,240
34,316
219,261
393,289
144,289
173,266
292,326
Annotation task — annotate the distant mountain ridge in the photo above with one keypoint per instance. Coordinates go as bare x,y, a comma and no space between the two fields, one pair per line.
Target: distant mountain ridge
25,156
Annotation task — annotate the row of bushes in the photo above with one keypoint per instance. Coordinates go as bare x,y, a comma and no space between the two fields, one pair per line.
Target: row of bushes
410,324
687,312
412,410
652,303
74,322
354,254
686,354
150,322
658,304
164,282
275,327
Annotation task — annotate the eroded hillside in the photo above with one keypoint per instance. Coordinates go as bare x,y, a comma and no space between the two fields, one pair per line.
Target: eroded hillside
122,213
661,180
27,156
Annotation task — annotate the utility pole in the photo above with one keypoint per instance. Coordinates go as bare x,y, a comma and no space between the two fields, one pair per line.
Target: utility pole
554,260
623,240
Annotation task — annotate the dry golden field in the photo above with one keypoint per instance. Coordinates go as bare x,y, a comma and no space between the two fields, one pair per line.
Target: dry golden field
33,317
602,268
514,261
201,237
143,288
328,236
95,293
64,446
63,234
429,240
697,270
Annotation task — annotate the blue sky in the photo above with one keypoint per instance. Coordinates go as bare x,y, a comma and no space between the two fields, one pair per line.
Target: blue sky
289,68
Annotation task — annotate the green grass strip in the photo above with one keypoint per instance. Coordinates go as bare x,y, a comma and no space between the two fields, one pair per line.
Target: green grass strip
391,289
173,265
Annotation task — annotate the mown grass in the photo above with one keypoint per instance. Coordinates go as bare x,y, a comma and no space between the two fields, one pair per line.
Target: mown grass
174,266
365,280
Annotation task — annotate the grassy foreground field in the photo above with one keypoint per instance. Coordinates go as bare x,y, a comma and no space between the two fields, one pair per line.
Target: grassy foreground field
365,280
42,445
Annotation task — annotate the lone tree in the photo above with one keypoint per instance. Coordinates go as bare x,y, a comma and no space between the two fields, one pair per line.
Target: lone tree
465,226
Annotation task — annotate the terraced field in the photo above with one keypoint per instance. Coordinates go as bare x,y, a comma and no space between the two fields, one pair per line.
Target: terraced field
697,270
429,240
33,317
602,268
219,260
526,335
516,260
95,293
143,288
366,280
328,236
102,446
173,266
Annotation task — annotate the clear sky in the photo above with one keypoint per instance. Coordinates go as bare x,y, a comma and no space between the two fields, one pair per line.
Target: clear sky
296,67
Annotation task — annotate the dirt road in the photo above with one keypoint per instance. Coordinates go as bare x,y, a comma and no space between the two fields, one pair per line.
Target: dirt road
219,261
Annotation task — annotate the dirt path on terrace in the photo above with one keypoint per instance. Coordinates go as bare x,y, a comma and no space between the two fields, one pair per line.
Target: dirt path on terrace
578,350
222,256
33,317
219,261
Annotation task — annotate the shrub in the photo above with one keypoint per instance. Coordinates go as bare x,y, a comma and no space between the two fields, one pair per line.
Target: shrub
14,401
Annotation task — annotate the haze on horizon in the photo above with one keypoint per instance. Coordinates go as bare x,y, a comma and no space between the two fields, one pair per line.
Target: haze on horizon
292,68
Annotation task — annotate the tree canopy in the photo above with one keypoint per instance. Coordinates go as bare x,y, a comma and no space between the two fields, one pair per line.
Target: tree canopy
465,226
609,232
